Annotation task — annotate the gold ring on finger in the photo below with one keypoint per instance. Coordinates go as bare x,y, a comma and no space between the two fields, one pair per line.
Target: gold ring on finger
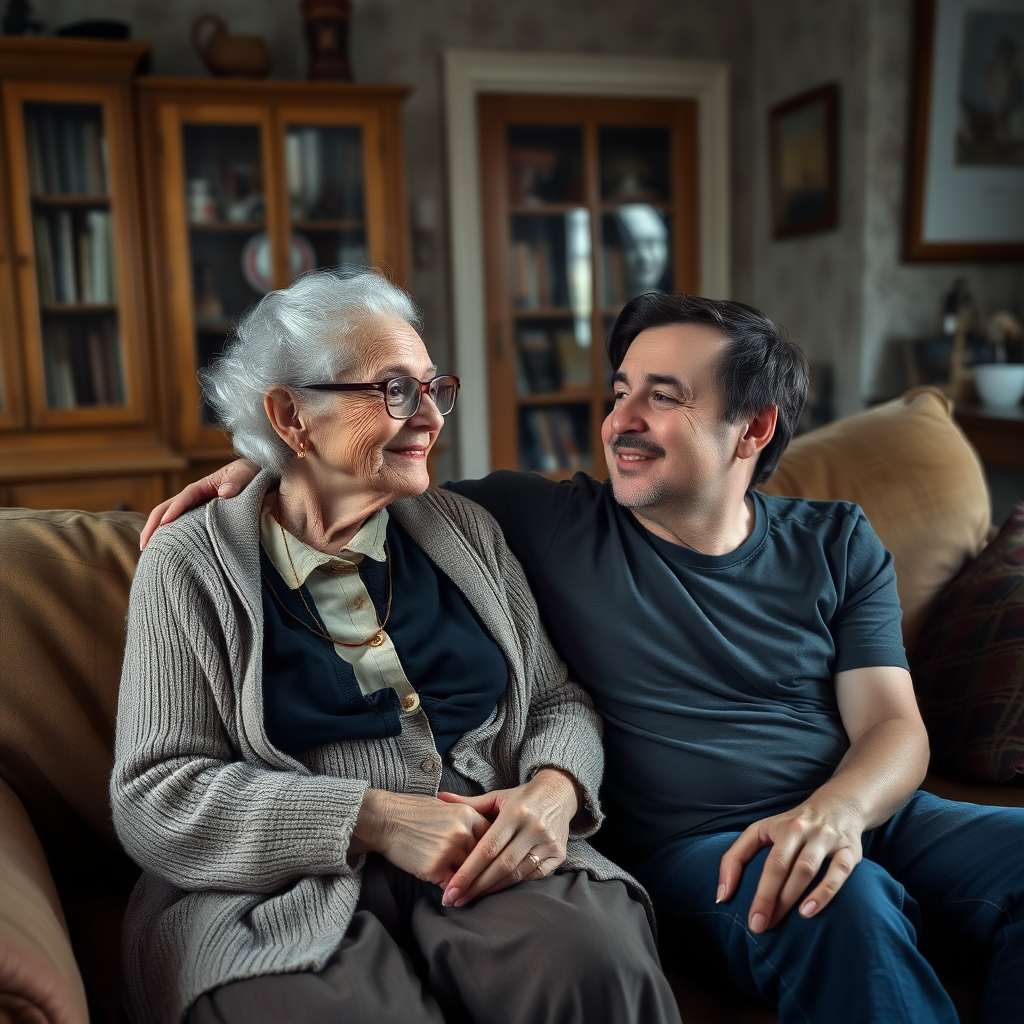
535,859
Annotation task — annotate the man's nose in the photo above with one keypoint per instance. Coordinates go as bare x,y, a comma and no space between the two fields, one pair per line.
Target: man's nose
627,416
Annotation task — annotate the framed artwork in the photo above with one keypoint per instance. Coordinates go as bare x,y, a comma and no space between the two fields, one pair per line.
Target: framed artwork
803,135
965,183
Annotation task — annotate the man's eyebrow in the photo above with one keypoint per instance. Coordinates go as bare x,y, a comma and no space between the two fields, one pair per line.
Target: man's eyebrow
665,379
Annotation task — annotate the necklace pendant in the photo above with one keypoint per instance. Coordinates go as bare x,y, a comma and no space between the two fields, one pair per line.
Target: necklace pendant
376,640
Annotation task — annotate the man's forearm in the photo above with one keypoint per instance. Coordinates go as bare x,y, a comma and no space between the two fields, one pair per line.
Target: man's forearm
880,771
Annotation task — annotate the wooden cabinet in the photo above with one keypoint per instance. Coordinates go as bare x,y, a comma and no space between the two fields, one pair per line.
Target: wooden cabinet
76,381
248,184
587,203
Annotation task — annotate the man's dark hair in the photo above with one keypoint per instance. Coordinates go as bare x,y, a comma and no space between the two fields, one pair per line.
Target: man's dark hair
759,367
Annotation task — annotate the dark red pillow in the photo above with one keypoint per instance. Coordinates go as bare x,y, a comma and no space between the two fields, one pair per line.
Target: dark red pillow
969,665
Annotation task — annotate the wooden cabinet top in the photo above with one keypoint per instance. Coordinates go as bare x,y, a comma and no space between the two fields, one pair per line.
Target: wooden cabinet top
70,59
262,89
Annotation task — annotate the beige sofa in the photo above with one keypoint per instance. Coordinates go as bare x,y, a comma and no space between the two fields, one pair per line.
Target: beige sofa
64,582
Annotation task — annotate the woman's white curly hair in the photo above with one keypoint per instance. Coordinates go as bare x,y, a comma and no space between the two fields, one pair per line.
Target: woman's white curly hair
297,335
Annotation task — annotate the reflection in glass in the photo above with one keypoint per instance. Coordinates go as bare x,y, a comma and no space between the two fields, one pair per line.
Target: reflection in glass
545,164
635,253
577,256
326,194
634,165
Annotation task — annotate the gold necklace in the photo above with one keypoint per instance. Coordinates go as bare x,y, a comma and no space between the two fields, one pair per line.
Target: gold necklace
375,640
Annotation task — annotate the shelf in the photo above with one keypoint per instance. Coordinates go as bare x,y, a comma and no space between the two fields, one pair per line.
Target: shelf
613,206
328,225
545,209
77,308
228,225
543,313
579,395
71,200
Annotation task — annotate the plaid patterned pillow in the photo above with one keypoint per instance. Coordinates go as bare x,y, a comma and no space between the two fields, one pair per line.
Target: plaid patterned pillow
969,665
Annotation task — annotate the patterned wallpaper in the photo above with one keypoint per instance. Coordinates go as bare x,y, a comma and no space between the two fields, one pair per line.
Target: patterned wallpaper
845,295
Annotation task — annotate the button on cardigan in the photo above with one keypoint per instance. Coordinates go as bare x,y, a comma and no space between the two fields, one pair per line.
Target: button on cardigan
243,847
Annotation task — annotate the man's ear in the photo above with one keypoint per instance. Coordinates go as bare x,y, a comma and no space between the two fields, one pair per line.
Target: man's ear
760,430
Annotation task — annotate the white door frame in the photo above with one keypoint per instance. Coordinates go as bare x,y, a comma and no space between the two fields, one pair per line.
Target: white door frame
470,72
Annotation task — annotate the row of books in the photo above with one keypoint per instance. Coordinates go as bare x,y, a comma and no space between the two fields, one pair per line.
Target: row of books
324,167
550,441
534,281
74,256
82,363
67,151
550,359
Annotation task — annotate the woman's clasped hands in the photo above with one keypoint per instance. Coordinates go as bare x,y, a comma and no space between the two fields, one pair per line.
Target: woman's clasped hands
471,846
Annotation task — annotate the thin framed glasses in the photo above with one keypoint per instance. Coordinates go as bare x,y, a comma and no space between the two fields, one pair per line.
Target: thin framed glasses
402,394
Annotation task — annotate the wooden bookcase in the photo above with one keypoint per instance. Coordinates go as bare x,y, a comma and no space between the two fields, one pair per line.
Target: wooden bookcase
587,202
80,417
248,184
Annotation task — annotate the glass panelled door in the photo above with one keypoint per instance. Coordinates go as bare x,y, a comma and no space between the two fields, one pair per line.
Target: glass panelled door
551,291
588,203
326,196
230,257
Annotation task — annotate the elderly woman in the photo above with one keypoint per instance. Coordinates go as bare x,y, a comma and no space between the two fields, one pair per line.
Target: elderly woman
307,665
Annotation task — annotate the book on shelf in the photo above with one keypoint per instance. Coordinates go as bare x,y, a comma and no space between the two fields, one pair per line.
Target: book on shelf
532,275
538,359
67,151
614,275
74,257
45,276
82,364
552,441
573,358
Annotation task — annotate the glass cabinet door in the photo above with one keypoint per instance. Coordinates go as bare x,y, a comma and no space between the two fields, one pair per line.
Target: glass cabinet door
581,214
231,261
11,408
78,298
223,248
334,201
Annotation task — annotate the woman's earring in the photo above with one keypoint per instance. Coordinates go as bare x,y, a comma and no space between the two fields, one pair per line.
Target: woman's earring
301,453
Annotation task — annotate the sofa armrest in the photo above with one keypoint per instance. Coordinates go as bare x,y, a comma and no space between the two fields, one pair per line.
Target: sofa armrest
39,978
990,794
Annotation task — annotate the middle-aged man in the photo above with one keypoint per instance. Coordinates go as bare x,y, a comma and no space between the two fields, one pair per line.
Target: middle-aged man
763,741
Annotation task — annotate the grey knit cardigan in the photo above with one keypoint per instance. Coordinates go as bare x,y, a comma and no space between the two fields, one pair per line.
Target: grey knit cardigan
244,848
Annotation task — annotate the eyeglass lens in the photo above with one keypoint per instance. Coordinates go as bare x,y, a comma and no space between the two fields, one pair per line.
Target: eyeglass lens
403,395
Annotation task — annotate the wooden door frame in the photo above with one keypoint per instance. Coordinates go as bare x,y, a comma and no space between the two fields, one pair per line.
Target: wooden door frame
467,73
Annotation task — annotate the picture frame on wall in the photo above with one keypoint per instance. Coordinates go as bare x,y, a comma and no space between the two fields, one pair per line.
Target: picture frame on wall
803,135
965,181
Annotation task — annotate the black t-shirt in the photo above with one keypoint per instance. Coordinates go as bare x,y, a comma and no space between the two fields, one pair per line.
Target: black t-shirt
713,674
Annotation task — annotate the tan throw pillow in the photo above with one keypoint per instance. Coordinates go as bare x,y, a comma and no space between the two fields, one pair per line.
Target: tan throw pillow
912,471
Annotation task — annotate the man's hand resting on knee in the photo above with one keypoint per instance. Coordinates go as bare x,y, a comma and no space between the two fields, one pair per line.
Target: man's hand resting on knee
886,762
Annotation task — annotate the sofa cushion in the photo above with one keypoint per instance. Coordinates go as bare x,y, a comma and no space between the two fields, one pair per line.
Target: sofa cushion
969,669
39,979
918,480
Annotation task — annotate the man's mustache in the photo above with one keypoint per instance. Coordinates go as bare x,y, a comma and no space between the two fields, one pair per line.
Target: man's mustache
636,443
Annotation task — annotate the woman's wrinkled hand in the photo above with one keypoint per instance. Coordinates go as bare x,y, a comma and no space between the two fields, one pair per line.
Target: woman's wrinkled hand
532,819
226,482
427,837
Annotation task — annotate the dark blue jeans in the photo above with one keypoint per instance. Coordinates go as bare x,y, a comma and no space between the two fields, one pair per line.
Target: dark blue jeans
938,870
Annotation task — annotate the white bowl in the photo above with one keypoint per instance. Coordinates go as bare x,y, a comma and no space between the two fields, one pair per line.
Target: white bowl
1000,384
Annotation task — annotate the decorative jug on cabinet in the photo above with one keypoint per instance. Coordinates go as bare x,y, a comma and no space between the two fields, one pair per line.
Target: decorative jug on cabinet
227,55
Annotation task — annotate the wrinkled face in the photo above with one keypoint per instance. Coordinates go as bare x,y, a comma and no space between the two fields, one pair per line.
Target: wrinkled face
358,446
665,440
